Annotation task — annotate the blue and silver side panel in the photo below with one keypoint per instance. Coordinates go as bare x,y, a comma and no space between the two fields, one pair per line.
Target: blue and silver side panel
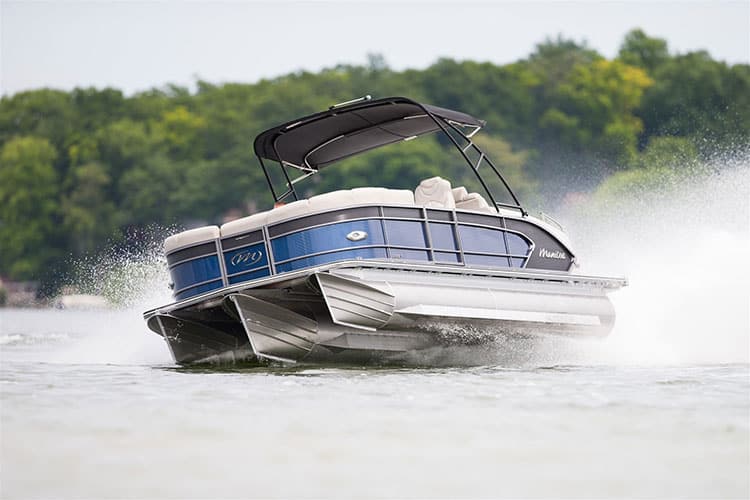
195,270
408,234
246,257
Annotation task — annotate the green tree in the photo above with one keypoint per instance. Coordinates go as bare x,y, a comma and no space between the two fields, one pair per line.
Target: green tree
605,94
592,130
695,96
123,145
401,166
670,152
664,164
89,215
638,49
213,187
180,130
29,211
638,184
80,167
554,59
95,108
43,113
513,164
500,94
148,189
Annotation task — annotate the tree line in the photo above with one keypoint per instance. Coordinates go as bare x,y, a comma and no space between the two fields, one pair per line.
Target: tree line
88,169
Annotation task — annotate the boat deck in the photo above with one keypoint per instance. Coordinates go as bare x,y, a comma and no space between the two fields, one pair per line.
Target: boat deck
416,269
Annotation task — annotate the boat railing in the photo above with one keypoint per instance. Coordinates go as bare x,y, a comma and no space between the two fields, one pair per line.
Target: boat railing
551,220
400,233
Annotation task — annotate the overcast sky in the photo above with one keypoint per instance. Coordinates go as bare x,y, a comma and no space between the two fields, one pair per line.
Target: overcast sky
138,45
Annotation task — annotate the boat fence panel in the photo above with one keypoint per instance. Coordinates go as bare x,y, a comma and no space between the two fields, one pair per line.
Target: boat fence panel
442,236
187,274
196,276
406,234
249,258
327,238
317,260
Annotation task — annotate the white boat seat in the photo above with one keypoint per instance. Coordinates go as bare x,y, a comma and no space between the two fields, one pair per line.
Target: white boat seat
435,192
460,193
288,211
474,201
382,196
328,201
319,203
191,237
244,225
360,196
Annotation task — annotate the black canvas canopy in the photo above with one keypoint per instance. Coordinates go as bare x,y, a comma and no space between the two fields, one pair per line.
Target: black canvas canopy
315,141
318,140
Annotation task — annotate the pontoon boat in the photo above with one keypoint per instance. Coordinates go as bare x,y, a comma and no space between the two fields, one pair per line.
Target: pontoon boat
367,272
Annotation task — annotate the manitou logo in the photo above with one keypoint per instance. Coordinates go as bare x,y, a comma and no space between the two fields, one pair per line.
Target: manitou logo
556,254
246,258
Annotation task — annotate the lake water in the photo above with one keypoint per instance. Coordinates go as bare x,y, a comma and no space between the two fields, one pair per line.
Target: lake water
92,406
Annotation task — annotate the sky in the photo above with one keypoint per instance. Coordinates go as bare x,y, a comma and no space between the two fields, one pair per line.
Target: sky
136,46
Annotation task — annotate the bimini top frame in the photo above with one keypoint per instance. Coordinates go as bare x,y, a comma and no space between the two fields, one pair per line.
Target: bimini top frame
310,143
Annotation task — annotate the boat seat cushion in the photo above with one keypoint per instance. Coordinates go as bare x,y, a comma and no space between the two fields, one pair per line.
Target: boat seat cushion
244,225
435,192
474,201
290,210
190,237
328,201
460,193
319,203
382,196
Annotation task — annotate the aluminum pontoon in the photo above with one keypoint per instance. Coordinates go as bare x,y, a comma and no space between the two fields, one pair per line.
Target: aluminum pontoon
368,272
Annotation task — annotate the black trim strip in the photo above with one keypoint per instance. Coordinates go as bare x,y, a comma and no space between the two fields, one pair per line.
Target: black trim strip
325,218
202,250
242,240
485,220
439,215
402,213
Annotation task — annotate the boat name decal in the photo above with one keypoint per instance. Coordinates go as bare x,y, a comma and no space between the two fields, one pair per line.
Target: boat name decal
554,254
246,258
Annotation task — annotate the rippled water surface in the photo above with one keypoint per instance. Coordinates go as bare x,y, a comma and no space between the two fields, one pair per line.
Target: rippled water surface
88,414
92,406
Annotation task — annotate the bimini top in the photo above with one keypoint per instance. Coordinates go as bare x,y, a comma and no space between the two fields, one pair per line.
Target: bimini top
351,128
315,141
